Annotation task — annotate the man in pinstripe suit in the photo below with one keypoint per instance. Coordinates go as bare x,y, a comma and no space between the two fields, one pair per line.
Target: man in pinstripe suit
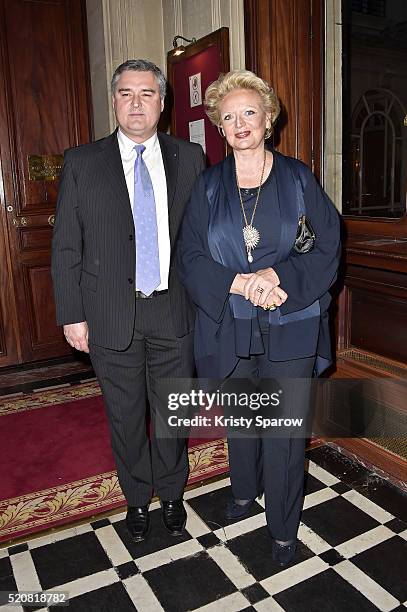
117,294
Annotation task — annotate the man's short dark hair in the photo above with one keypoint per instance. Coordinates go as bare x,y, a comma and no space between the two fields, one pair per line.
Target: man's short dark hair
141,65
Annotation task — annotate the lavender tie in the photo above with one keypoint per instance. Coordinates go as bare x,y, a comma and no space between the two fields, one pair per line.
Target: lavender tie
145,222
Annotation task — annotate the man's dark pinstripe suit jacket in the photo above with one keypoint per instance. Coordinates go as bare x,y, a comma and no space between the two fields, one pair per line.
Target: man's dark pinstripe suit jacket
93,250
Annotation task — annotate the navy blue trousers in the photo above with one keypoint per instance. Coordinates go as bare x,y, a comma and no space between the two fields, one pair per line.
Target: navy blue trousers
273,464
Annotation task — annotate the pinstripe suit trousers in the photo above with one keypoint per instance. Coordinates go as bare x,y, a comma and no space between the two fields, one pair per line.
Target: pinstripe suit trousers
128,378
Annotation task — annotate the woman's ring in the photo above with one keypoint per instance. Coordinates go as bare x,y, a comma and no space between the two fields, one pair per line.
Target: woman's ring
270,307
260,289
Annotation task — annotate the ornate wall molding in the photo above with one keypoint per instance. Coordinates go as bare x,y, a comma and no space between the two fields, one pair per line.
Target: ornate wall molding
333,102
178,26
236,34
216,15
107,33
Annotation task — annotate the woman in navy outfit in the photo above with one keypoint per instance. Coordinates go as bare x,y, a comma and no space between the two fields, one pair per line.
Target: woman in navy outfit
261,287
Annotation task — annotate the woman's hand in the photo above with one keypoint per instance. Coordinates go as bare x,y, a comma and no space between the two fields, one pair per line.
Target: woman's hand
276,297
259,284
238,285
246,285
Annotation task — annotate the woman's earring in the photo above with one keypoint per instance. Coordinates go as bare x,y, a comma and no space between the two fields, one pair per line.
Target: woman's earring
220,130
268,133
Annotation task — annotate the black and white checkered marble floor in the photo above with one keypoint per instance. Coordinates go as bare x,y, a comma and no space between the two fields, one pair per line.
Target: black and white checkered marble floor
352,554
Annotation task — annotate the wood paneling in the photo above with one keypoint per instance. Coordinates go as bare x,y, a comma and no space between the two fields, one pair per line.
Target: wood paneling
373,333
378,228
37,61
258,35
376,455
44,109
9,347
373,303
35,238
376,320
360,364
283,46
41,310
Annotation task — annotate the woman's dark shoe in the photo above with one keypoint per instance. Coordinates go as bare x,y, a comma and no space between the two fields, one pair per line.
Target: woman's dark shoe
174,516
236,511
283,554
138,522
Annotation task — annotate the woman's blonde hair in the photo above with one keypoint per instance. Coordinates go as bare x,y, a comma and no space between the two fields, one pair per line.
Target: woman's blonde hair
239,79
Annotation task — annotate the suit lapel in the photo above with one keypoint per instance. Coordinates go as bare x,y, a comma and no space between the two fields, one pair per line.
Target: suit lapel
169,151
113,169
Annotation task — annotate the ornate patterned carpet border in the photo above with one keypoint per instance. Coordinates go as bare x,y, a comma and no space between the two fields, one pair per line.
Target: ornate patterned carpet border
40,399
76,500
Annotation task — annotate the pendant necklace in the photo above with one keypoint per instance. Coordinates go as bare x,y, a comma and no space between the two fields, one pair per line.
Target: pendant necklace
251,235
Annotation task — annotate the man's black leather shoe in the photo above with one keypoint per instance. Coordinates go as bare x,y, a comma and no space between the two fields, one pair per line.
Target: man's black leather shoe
174,516
138,522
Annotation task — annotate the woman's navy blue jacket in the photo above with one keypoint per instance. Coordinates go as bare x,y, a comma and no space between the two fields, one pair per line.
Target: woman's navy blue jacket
211,252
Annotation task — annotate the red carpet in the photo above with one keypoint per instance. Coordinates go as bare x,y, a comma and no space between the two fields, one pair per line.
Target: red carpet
57,465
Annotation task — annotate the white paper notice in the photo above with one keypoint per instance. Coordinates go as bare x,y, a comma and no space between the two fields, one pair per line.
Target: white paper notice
195,90
197,132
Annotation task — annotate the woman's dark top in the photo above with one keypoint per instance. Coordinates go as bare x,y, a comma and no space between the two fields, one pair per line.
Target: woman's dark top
266,218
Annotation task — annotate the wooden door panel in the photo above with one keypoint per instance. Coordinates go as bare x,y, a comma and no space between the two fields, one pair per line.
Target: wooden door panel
9,353
283,46
44,109
34,238
376,320
37,60
44,333
3,344
283,73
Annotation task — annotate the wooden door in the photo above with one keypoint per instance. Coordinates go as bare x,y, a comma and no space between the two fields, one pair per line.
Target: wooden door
283,46
9,349
44,109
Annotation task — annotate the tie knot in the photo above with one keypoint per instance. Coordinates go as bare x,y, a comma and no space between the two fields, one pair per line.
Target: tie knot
139,148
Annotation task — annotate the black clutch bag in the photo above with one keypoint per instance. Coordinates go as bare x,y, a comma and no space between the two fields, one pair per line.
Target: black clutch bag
304,241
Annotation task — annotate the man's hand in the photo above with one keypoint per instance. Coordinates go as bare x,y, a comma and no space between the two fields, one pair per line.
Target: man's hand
76,335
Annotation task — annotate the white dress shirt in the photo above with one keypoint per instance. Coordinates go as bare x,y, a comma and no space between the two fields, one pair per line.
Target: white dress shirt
154,161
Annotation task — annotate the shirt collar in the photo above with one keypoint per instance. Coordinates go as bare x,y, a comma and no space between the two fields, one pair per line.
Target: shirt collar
126,144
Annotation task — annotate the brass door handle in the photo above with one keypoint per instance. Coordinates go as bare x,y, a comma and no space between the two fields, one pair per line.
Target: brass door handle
22,221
